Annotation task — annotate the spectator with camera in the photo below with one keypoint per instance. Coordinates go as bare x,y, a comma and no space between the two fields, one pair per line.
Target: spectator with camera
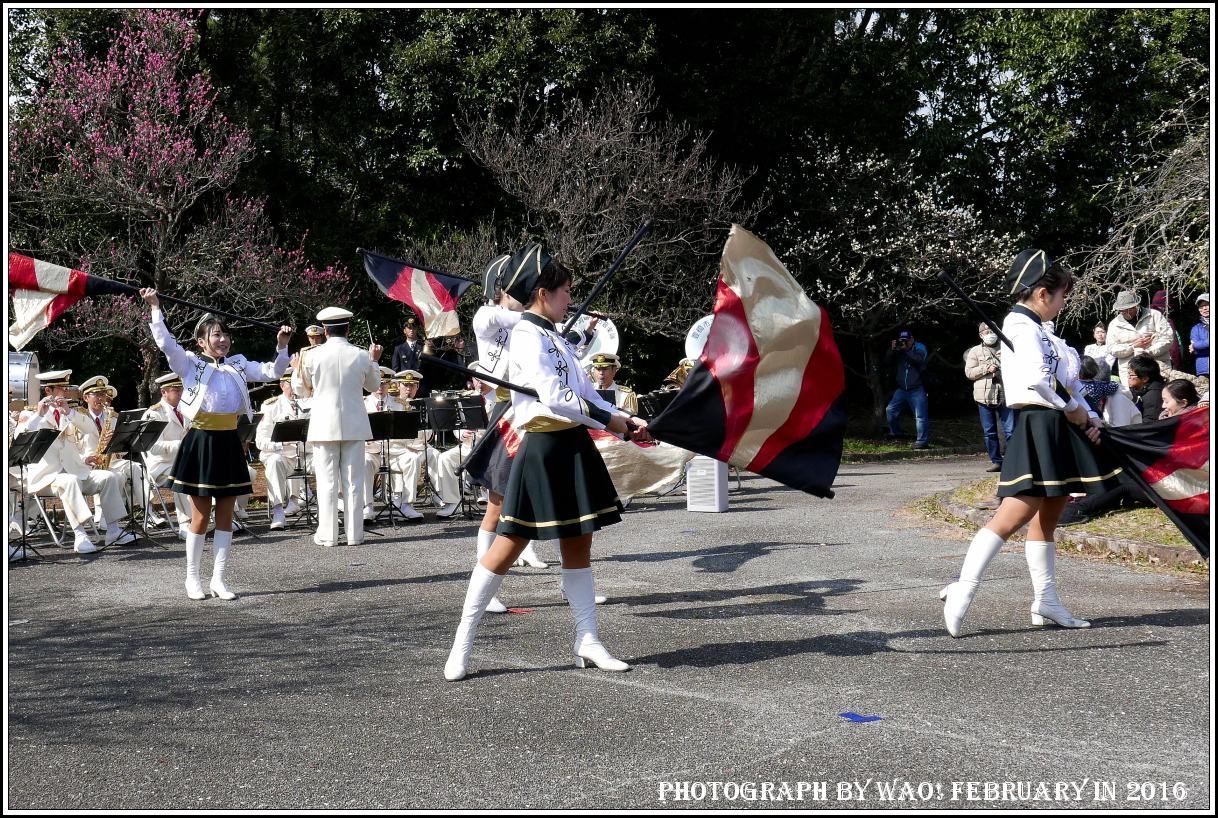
981,366
909,357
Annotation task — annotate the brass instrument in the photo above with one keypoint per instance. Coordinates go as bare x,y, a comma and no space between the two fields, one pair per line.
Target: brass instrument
109,421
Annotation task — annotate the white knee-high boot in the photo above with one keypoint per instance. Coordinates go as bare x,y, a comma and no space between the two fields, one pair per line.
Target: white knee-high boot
959,595
483,583
221,540
485,540
194,555
529,557
581,596
1046,607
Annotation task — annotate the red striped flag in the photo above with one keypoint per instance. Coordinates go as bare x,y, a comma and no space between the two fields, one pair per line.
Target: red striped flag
432,295
765,393
42,292
1170,459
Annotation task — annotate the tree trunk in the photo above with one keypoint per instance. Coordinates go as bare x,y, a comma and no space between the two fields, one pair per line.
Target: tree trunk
873,359
150,356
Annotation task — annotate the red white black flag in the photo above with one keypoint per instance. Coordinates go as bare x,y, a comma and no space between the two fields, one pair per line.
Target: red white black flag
1170,460
765,393
433,295
43,291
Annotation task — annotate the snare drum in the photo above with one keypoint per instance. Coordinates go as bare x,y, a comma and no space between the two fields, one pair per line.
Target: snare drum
23,377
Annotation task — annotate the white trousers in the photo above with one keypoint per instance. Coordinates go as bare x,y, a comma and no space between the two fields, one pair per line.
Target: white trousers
71,491
443,469
275,468
339,467
406,469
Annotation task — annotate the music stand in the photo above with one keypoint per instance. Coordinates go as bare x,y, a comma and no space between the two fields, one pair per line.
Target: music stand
27,448
134,437
296,431
131,414
471,417
386,426
246,431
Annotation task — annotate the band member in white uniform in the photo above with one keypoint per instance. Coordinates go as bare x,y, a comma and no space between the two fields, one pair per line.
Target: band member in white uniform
602,370
279,459
339,374
159,459
383,399
90,424
1052,450
210,465
408,456
317,337
443,465
65,472
559,487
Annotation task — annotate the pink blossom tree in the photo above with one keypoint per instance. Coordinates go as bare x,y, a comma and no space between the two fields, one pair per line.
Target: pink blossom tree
123,165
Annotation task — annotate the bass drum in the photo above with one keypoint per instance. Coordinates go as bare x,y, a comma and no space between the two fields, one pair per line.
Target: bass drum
23,377
604,337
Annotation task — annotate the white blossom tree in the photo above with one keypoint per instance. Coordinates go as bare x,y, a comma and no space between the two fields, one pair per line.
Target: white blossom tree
867,238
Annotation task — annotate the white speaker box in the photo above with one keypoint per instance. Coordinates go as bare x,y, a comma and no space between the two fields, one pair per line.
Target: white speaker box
705,485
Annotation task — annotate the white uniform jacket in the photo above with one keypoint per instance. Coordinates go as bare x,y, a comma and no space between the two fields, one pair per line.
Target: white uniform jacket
389,403
543,360
1122,334
273,410
493,327
161,456
88,437
1033,371
62,456
196,371
339,375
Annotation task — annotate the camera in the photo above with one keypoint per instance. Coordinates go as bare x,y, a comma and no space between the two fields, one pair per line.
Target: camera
902,343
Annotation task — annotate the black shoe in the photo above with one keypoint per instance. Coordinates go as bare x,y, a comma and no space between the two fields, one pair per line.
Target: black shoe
920,446
1073,519
995,467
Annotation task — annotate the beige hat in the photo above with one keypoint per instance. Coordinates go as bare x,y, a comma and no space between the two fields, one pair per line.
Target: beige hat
1126,299
313,329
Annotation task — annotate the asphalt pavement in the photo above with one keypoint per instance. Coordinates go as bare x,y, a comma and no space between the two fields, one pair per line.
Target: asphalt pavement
787,653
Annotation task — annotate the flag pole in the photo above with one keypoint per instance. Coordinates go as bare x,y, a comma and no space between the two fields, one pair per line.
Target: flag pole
175,300
946,278
482,376
604,279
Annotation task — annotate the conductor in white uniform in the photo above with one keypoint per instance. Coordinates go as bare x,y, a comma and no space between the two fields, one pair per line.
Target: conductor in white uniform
339,374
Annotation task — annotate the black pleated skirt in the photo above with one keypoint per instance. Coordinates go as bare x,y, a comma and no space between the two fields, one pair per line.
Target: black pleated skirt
559,487
490,464
1048,456
211,464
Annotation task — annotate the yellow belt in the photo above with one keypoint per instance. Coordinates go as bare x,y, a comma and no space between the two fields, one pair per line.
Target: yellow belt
502,394
215,421
548,424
